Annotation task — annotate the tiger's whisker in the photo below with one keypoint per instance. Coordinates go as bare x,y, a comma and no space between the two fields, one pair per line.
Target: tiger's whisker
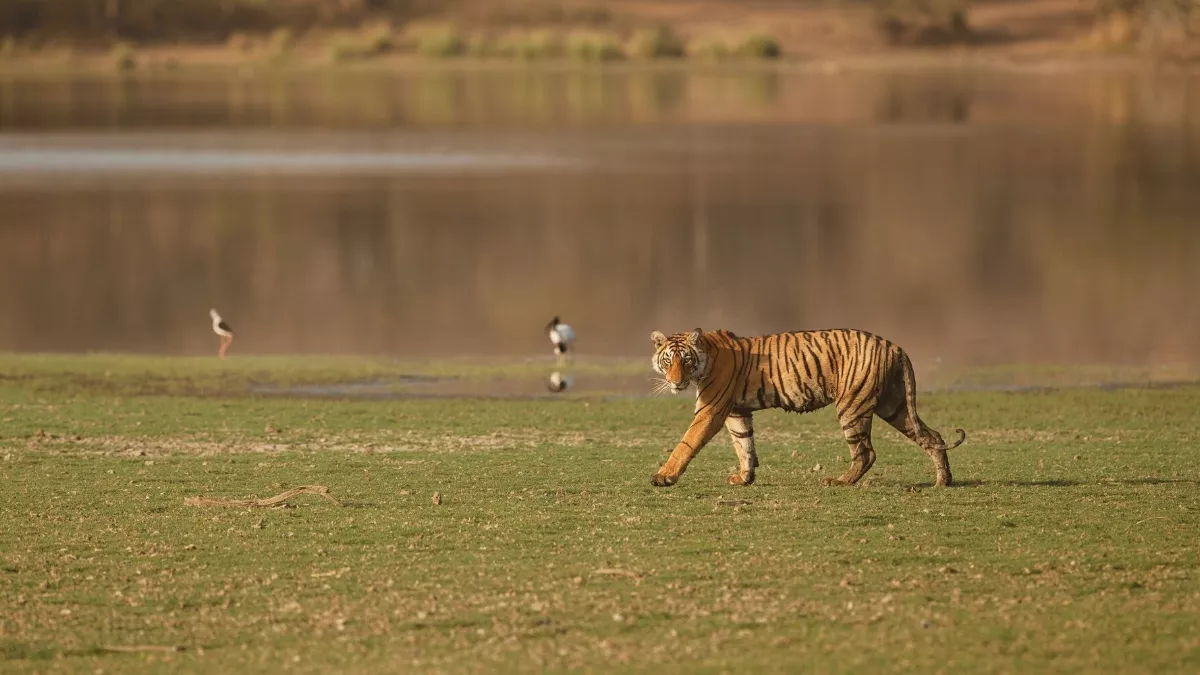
660,386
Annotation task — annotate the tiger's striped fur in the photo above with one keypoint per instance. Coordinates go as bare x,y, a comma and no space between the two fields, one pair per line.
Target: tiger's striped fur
862,374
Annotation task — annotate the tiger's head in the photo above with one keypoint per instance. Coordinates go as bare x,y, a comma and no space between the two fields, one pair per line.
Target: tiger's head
680,358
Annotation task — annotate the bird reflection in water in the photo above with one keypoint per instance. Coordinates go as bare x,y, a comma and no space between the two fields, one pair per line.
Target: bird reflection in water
558,382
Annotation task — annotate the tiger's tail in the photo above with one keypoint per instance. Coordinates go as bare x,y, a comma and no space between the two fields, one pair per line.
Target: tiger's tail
910,401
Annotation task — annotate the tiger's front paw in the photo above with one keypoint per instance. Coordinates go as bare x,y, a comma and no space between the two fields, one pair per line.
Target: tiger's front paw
739,479
663,480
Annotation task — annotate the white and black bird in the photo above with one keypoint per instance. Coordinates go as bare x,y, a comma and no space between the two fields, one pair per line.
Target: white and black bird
559,382
221,328
561,336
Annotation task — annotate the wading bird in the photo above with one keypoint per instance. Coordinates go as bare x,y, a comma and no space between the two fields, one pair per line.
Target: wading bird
561,336
221,328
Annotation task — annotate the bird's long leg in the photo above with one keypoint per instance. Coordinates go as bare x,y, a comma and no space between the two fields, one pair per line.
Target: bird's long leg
225,342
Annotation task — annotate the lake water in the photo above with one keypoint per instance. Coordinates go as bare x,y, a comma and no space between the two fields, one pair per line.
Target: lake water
974,217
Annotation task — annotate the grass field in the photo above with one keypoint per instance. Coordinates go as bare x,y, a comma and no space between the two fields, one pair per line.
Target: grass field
1068,545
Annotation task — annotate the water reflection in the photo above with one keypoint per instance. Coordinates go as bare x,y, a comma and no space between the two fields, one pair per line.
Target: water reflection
558,382
58,161
969,217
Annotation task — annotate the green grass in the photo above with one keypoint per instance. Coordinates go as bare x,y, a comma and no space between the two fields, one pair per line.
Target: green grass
1069,545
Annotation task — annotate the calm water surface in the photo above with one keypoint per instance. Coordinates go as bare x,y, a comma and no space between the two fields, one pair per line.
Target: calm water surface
973,217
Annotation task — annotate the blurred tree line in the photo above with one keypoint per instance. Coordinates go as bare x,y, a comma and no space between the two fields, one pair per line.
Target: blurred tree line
189,20
1148,24
1158,25
1153,24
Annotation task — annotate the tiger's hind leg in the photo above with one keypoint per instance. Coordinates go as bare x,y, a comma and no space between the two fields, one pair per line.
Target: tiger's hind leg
741,428
907,422
862,453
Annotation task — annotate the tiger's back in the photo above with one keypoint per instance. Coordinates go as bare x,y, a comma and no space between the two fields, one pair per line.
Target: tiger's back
862,374
801,371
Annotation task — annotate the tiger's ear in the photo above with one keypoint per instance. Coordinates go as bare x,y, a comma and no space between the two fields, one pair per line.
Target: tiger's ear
694,336
658,337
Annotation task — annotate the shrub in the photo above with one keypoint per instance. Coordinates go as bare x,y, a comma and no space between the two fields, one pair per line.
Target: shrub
440,42
922,22
479,45
379,38
123,56
655,43
593,46
280,43
540,44
758,46
709,48
239,43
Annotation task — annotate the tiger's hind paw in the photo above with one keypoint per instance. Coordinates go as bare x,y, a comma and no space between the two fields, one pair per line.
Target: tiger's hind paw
833,482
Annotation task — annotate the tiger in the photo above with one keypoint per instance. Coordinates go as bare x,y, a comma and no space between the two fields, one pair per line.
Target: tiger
861,374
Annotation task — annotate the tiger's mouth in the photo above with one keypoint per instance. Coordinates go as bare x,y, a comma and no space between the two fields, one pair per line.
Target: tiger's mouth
677,387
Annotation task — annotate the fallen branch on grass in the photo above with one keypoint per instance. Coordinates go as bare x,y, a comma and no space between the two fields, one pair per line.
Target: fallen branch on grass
319,490
617,572
130,649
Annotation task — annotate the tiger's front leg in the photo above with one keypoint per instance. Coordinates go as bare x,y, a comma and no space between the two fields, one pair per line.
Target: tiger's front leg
704,426
741,429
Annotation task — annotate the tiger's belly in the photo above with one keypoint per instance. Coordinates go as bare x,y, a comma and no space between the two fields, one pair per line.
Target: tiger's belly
794,397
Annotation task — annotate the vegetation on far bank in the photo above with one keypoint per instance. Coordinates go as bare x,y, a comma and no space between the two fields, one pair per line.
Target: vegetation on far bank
341,32
281,31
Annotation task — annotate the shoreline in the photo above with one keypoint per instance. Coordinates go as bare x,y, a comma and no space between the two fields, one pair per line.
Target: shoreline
190,61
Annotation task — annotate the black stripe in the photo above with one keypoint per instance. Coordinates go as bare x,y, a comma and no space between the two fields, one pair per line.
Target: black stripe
805,354
848,420
860,383
854,356
790,403
739,434
798,380
745,389
894,414
735,351
824,362
775,366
